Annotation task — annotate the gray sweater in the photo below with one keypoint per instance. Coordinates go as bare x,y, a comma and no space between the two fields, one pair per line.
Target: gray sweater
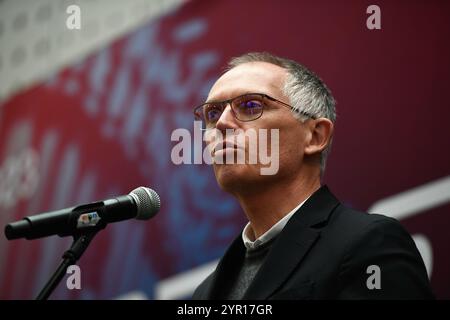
254,259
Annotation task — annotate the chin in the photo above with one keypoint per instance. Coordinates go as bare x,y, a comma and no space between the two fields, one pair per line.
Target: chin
234,178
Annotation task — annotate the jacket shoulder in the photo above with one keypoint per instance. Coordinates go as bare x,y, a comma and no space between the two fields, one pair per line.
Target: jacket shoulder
381,242
351,224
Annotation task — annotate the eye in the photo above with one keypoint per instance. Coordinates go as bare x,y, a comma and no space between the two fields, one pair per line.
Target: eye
212,112
250,107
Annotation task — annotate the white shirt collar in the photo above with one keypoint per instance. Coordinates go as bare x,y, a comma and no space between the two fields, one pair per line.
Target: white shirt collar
269,234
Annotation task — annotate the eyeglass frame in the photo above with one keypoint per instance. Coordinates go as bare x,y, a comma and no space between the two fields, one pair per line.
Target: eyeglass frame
224,103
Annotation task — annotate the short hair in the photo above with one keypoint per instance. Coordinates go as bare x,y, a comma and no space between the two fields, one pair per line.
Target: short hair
305,90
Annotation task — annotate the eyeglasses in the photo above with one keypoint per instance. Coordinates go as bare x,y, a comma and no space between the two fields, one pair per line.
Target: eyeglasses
246,107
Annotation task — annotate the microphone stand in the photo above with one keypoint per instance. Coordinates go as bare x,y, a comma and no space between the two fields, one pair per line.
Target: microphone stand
70,257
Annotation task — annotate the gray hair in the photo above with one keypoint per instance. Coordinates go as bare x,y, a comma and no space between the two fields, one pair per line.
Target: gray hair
305,90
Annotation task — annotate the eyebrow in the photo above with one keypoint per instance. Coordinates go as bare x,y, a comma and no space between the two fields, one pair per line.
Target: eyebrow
237,95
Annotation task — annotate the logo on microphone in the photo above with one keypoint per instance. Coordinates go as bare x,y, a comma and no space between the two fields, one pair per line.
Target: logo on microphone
89,219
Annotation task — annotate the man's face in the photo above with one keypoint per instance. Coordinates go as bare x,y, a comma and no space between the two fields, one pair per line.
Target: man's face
269,79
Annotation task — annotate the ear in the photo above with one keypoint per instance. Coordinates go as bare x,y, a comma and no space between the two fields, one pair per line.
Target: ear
320,133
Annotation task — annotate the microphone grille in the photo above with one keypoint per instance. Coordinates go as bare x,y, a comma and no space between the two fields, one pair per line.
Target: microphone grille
148,203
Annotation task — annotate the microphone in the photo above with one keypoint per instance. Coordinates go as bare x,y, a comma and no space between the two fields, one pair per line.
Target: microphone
142,203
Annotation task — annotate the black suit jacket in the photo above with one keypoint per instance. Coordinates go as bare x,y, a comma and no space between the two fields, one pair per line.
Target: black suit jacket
323,252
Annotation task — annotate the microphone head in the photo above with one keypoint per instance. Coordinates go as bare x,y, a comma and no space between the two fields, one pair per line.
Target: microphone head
147,202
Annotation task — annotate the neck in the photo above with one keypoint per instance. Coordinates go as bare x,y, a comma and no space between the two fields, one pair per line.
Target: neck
267,206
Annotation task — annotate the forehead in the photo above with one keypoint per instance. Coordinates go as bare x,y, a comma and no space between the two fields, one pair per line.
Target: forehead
250,77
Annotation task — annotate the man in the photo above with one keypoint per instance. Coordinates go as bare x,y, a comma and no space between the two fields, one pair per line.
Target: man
300,241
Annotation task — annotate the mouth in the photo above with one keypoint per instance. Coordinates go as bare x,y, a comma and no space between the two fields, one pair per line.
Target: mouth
224,146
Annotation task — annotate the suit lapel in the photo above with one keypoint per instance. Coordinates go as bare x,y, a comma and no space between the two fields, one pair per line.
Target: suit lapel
289,249
227,269
292,244
281,262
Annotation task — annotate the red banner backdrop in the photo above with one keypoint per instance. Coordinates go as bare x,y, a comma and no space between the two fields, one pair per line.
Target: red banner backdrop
102,127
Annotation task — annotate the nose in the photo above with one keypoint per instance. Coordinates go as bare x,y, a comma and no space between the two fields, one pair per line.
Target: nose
226,119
